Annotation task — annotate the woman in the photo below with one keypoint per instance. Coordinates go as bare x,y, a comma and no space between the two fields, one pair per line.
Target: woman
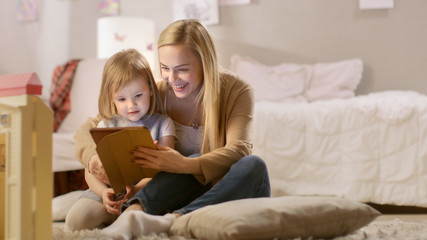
212,111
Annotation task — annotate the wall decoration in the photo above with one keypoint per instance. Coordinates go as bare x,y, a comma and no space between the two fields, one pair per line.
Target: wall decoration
109,7
206,11
26,11
234,2
376,4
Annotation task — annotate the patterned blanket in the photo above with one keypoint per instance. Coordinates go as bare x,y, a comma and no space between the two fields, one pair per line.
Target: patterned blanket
62,81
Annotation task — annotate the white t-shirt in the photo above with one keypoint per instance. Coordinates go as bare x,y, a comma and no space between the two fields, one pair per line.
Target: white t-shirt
160,125
189,139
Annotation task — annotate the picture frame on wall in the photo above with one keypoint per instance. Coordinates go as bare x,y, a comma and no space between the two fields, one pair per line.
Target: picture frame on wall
26,11
206,11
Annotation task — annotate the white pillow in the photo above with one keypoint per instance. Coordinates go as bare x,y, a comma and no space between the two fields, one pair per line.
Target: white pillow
84,94
270,218
290,82
281,83
334,80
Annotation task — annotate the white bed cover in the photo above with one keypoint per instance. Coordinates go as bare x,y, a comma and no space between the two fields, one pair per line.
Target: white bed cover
370,148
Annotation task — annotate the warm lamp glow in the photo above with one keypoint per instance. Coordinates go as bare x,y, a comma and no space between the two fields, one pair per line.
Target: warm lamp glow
118,33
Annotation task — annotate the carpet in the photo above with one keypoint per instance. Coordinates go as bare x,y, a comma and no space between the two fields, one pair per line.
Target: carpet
394,229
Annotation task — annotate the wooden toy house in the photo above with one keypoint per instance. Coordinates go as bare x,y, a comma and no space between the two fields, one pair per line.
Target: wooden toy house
25,159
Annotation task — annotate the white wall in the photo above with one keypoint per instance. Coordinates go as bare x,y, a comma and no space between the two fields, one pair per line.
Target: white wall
392,43
38,46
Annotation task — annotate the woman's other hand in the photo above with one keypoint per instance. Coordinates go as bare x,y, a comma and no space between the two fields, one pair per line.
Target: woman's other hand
131,190
165,159
95,168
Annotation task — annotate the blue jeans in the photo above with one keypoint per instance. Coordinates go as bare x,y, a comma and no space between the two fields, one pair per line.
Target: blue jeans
182,193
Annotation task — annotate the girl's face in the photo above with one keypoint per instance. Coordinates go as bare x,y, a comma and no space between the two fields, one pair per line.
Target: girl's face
133,100
182,69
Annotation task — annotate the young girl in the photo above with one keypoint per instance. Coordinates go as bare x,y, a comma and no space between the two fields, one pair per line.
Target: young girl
128,97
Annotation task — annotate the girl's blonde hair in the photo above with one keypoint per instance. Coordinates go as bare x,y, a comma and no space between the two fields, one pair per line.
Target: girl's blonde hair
119,70
193,35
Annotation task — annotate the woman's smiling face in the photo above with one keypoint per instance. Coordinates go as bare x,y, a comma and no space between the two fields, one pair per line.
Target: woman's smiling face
182,69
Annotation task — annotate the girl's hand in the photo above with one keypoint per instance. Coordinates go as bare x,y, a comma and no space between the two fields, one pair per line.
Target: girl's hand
112,206
165,159
95,168
131,190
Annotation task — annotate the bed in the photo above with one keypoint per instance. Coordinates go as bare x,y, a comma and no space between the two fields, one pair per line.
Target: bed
318,138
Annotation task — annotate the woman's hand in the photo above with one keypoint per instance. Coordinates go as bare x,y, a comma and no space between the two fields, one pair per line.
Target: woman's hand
165,159
95,168
131,190
112,206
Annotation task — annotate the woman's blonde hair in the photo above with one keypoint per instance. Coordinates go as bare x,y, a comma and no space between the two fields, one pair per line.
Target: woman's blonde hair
119,70
192,34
